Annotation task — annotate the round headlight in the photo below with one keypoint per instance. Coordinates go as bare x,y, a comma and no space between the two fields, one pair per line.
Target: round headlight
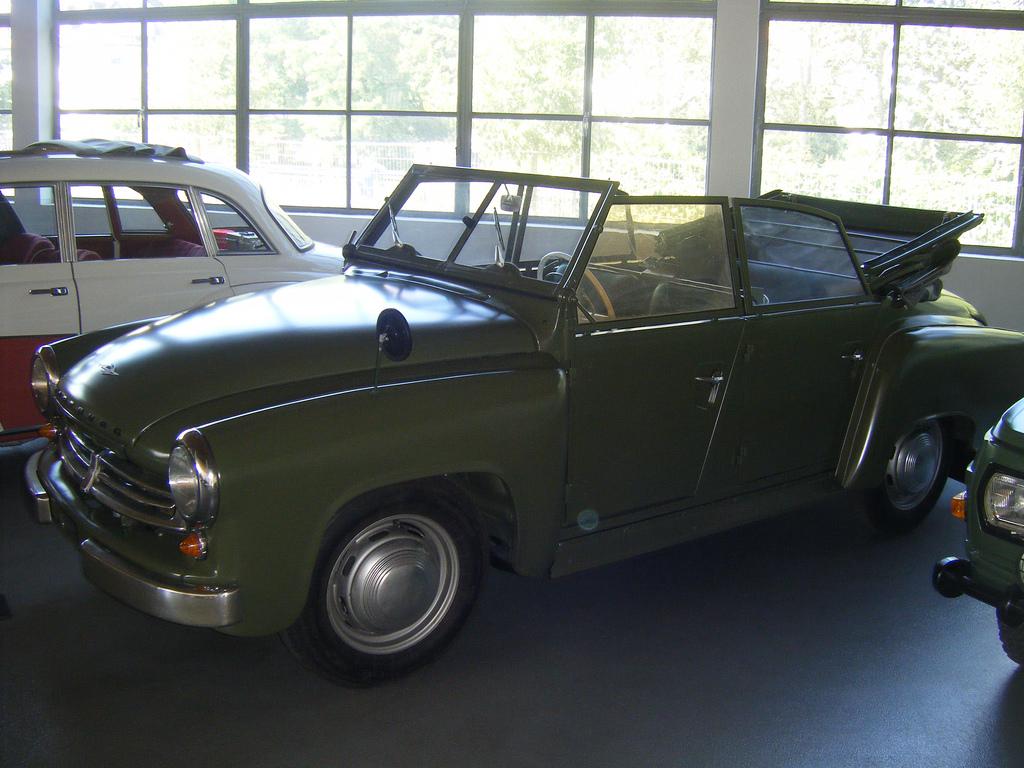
193,480
45,376
1004,502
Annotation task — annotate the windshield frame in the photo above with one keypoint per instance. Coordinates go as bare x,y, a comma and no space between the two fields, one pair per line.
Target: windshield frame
367,248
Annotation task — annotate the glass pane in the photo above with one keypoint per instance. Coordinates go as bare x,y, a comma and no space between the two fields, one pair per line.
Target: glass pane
88,5
383,148
405,63
191,65
6,132
153,222
847,166
232,230
100,66
28,226
6,73
960,176
211,137
81,126
794,256
300,160
536,146
298,63
959,80
651,159
991,5
829,74
666,258
5,6
528,64
848,2
174,3
664,50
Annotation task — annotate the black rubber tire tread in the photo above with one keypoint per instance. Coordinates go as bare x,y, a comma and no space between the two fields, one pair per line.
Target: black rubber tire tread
1013,642
874,504
317,646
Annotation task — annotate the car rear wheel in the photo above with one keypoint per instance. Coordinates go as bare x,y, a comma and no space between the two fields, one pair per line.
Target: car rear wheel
915,477
390,592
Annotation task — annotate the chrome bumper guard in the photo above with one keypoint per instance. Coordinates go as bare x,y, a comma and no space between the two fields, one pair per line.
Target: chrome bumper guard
41,500
188,604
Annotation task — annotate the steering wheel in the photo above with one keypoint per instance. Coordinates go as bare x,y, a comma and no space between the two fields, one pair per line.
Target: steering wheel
593,284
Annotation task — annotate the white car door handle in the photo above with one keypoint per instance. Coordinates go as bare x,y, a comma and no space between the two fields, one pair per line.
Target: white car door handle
210,280
58,291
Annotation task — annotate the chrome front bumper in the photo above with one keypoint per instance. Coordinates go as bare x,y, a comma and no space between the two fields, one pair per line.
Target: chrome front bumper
55,500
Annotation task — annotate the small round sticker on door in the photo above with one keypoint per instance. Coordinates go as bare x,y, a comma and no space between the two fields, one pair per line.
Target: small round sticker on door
588,520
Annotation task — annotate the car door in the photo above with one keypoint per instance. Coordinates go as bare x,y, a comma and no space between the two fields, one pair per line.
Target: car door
38,300
139,254
811,319
652,357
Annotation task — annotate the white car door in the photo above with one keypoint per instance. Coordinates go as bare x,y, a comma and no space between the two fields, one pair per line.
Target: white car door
38,300
139,254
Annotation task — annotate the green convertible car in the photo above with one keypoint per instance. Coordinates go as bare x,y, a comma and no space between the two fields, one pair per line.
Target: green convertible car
542,373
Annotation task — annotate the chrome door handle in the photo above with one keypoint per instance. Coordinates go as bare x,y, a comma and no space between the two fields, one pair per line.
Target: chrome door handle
58,291
210,280
715,380
855,356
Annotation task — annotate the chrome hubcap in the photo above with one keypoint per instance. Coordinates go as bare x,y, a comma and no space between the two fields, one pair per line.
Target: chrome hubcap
392,584
914,467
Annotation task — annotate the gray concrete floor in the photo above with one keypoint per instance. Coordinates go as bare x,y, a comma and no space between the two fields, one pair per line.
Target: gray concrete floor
800,641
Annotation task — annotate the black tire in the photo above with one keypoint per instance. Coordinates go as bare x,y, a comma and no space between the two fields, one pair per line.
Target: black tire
391,589
1013,642
915,477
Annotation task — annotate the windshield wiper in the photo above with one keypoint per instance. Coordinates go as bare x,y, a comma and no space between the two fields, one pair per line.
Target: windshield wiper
394,226
499,244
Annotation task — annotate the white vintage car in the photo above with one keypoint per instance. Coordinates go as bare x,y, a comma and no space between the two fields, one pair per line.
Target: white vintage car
99,233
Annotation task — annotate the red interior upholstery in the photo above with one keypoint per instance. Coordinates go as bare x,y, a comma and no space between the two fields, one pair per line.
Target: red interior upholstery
26,248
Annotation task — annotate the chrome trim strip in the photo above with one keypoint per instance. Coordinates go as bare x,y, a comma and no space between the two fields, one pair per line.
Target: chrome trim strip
41,499
191,605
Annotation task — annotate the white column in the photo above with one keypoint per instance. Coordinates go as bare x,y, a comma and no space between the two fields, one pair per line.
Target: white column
733,90
33,58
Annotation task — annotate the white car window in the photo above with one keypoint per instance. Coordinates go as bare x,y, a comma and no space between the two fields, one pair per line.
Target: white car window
233,232
134,222
28,225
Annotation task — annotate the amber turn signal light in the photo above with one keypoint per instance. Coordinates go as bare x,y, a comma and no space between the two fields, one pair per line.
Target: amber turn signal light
194,546
48,431
959,505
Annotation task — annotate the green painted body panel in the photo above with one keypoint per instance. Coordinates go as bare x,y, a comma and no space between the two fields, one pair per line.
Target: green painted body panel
920,372
287,471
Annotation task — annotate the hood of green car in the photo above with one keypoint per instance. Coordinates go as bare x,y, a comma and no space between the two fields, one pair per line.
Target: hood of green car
274,346
1010,429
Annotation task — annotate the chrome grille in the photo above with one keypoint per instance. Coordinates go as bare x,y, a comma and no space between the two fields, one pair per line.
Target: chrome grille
117,484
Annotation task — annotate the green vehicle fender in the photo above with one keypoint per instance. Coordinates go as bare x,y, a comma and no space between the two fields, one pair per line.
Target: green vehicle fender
287,471
964,375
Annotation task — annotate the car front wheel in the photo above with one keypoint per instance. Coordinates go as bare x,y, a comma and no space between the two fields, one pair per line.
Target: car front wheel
915,477
390,592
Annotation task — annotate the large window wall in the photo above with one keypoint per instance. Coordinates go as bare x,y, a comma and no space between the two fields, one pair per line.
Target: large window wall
916,103
329,101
